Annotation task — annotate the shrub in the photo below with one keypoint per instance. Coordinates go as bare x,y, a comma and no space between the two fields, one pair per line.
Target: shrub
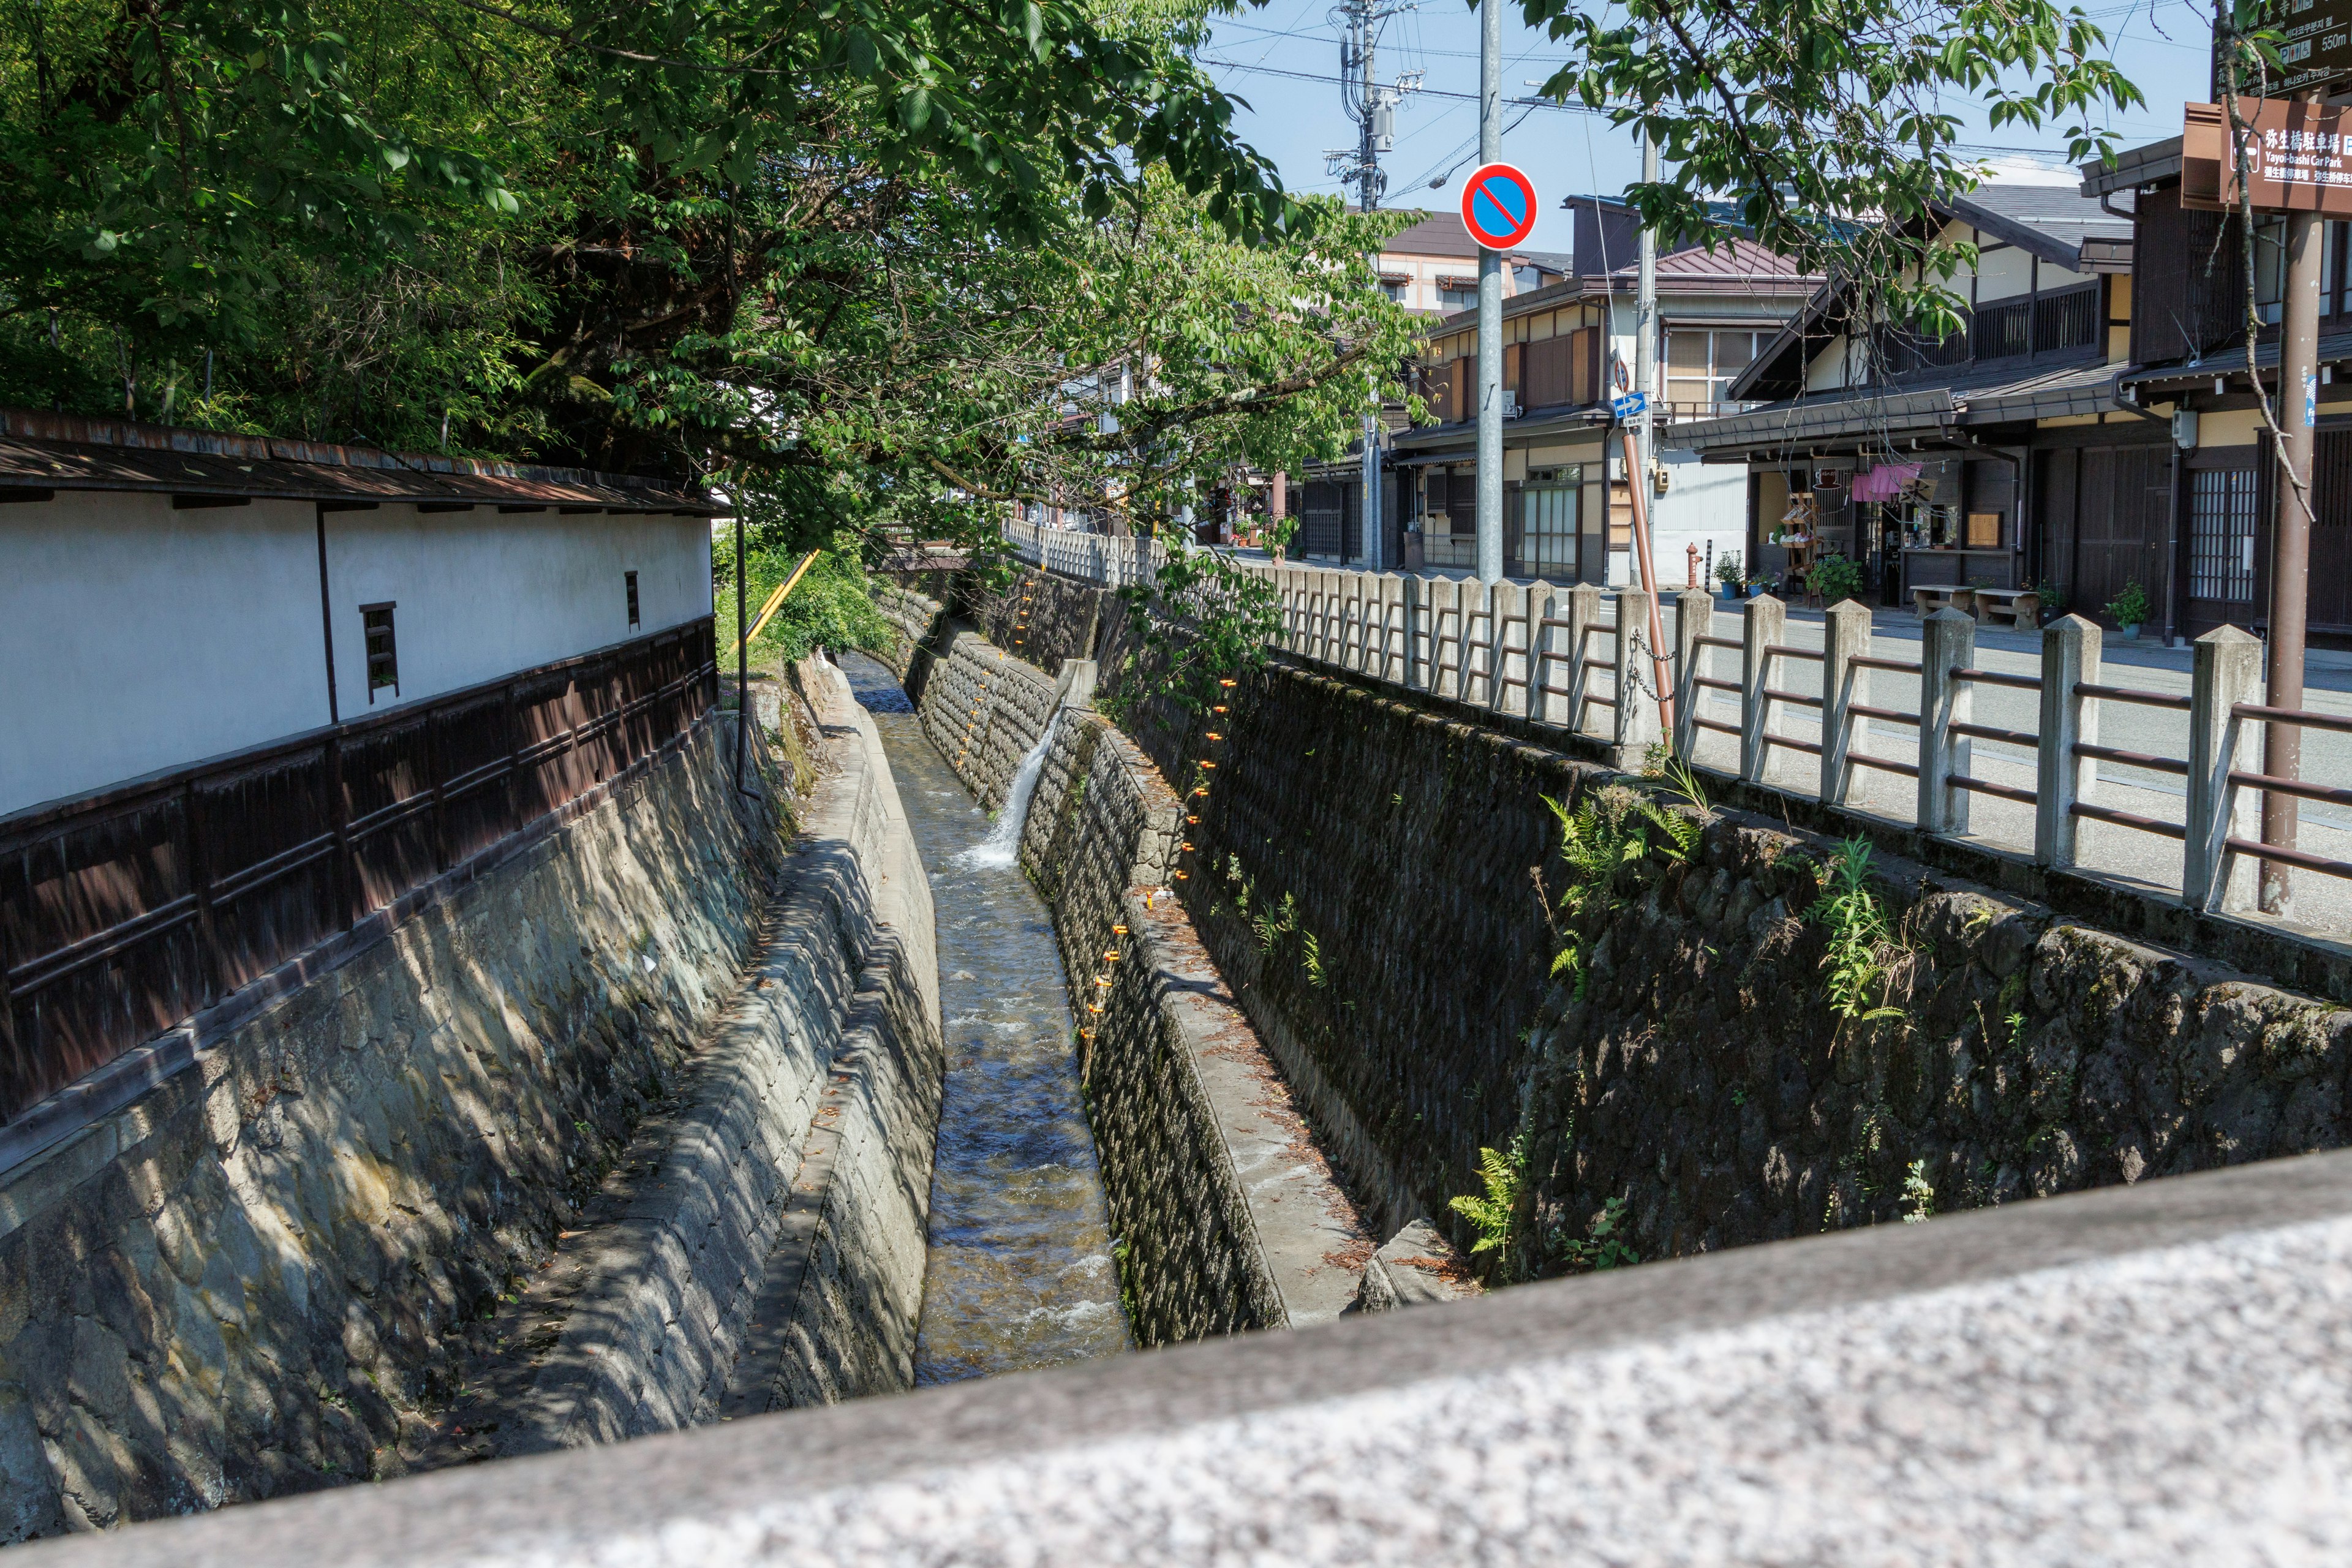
1726,569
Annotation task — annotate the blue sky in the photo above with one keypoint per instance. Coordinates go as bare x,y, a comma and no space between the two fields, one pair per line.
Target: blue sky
1283,59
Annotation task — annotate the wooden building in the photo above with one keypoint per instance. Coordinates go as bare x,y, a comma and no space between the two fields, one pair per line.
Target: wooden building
2189,370
1996,456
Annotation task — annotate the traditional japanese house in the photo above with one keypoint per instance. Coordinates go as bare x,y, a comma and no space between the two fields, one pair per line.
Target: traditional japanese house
1996,456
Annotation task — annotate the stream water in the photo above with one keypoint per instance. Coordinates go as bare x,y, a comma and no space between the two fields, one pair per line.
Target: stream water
1020,1272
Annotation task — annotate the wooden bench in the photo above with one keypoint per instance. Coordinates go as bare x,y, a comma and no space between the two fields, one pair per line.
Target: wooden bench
2021,607
1955,596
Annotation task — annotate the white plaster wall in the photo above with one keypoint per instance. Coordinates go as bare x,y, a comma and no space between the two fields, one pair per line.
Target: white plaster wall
2002,274
135,638
1704,503
483,593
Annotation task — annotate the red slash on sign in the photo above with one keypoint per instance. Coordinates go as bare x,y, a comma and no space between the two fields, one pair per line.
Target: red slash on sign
1498,206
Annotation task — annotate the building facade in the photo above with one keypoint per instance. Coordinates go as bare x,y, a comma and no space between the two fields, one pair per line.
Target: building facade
1568,512
1995,456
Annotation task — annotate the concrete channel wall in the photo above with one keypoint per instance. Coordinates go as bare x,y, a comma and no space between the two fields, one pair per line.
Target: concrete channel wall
275,1270
1228,1217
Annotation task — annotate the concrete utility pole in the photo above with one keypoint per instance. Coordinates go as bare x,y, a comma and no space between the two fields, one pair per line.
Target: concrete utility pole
1371,106
1490,306
2298,398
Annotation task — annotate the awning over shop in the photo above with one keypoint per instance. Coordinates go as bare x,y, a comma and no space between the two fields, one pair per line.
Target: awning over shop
1890,418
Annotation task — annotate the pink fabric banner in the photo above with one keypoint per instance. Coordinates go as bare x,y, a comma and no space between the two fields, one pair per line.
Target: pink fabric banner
1885,482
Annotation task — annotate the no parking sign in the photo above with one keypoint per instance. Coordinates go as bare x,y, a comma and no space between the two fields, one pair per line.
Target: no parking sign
1499,205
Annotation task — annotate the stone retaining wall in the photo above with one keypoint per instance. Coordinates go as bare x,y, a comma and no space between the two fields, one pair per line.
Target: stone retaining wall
1228,1217
541,1140
260,1276
1701,1078
774,1256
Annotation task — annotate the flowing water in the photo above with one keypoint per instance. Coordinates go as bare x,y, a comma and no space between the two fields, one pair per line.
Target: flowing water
1021,1272
1002,847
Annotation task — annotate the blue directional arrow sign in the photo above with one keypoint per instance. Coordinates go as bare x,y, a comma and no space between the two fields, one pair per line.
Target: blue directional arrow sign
1629,405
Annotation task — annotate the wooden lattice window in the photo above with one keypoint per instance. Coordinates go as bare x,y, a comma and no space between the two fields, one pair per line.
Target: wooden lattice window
383,653
632,578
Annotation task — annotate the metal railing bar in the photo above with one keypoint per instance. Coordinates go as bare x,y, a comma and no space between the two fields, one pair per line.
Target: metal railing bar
2157,826
1711,724
2133,758
1783,648
1997,677
1796,697
1987,732
1883,764
1899,666
1711,684
1731,642
2281,853
1808,747
2341,724
1865,711
1986,787
2296,787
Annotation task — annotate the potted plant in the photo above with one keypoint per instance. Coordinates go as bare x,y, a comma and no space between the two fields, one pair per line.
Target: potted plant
1726,572
2053,600
1833,578
2129,608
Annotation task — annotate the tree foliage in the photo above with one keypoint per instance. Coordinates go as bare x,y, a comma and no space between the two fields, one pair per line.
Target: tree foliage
1833,128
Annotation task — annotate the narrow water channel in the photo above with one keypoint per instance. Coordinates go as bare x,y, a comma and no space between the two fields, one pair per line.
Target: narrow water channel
1020,1273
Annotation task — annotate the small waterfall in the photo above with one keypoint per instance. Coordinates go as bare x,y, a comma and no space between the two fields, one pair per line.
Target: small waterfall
1002,846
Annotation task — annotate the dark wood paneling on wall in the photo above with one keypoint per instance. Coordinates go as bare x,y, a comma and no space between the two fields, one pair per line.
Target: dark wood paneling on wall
126,911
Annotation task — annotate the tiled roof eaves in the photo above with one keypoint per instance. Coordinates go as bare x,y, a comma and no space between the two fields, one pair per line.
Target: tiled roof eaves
40,452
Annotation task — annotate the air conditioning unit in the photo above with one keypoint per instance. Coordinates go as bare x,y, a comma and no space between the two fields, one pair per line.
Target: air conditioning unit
1510,404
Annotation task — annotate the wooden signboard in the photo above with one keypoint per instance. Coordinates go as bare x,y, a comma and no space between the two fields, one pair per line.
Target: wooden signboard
2298,157
2317,52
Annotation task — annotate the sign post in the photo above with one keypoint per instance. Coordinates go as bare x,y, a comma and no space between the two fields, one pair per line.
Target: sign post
2294,157
1499,208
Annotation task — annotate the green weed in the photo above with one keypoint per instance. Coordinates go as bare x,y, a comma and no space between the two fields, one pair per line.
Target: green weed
1495,1215
1861,942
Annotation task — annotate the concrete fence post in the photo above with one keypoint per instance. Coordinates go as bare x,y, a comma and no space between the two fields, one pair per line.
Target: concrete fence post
1948,641
2226,671
1637,705
1368,603
1583,615
1415,617
1845,636
1767,623
1693,619
2071,646
1535,606
1482,633
1444,624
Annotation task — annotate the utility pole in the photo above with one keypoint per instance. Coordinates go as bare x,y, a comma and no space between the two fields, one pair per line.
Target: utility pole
1373,108
1490,306
2298,397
